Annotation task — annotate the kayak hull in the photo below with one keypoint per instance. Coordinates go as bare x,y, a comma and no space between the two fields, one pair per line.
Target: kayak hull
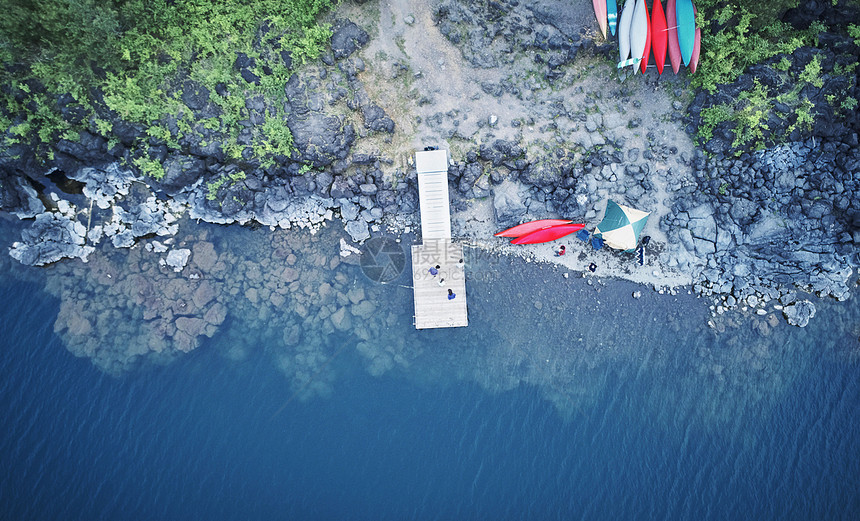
612,15
672,47
659,35
697,47
644,64
600,13
624,30
548,234
529,227
686,28
638,31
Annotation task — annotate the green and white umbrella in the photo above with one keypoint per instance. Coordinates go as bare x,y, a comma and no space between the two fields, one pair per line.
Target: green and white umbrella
621,226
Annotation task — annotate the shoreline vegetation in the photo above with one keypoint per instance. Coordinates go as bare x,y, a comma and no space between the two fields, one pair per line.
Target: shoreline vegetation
122,118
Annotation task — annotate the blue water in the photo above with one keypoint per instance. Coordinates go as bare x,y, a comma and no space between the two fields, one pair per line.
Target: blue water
205,437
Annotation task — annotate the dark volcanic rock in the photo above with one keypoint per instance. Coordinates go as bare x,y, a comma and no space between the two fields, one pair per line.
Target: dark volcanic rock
376,119
321,139
194,95
18,196
347,39
179,172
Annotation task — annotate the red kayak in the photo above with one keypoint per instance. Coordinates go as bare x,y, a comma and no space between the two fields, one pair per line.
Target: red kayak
697,46
659,36
644,63
672,32
526,228
548,234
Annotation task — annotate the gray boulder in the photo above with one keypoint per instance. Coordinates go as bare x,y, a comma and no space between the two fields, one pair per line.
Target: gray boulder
799,313
508,202
376,119
358,230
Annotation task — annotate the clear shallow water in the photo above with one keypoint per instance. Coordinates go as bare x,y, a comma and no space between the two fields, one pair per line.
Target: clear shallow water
631,421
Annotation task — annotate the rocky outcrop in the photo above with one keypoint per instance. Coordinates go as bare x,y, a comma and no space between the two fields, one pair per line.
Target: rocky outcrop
51,237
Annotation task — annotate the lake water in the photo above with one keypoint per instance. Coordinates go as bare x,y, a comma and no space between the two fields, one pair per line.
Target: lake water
561,400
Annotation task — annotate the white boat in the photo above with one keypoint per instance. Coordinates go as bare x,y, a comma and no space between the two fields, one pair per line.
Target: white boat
624,30
639,31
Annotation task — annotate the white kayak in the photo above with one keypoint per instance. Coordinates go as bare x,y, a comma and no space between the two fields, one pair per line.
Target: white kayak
638,30
624,30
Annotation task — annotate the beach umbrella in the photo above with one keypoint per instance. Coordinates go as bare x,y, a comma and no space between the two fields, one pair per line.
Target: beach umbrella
621,226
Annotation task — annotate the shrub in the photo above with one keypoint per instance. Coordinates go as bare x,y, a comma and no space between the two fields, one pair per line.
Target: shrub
136,52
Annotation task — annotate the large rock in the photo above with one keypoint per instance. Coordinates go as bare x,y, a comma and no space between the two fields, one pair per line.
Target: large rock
105,186
194,95
204,255
347,39
319,138
18,196
358,230
177,259
204,294
508,202
52,236
180,172
376,119
799,313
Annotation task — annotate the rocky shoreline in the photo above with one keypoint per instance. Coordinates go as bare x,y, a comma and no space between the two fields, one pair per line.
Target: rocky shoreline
546,129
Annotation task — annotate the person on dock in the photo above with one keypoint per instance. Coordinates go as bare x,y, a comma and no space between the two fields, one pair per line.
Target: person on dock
560,252
434,270
451,295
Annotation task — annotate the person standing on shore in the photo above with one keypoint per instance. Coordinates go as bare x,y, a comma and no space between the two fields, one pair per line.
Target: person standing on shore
434,270
451,295
560,252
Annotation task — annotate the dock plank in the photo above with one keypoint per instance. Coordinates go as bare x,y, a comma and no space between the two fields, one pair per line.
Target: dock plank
432,307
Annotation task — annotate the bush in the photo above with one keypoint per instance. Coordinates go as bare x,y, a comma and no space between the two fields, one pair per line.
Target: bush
138,53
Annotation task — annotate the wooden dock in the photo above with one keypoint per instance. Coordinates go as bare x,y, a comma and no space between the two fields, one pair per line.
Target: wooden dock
432,168
433,309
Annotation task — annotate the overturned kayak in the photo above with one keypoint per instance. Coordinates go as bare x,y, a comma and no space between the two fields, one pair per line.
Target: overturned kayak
548,234
529,227
674,49
600,14
697,46
686,20
611,15
639,32
624,31
659,35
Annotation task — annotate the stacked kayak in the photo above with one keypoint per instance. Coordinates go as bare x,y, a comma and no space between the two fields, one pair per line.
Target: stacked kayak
671,31
606,12
540,231
533,226
640,36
